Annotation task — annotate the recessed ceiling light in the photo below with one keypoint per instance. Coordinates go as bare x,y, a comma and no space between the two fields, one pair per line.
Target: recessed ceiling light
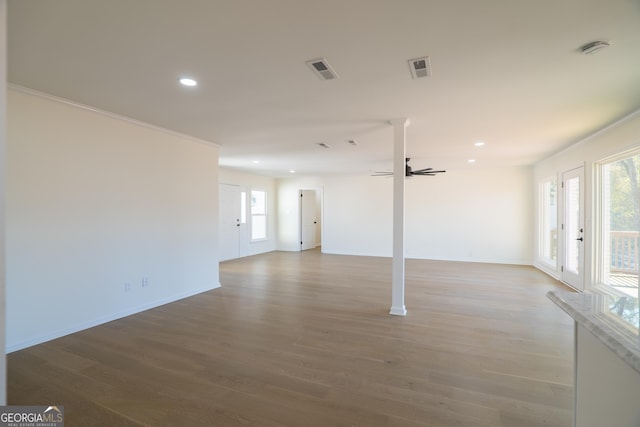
292,171
255,162
471,161
479,143
187,81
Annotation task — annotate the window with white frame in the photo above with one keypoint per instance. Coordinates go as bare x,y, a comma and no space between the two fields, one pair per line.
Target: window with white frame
258,215
618,224
548,248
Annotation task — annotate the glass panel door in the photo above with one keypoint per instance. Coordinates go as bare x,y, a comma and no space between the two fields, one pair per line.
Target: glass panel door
549,223
573,268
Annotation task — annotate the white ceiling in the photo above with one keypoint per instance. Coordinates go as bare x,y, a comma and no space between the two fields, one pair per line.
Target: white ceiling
506,72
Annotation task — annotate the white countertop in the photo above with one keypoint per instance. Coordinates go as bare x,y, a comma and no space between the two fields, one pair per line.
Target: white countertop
613,320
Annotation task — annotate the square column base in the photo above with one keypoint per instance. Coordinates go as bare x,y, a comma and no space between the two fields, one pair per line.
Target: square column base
398,311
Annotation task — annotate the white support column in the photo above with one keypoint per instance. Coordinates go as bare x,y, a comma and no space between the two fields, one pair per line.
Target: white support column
399,142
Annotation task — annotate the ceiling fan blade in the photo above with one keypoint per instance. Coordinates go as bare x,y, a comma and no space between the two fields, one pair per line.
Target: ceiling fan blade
429,173
409,172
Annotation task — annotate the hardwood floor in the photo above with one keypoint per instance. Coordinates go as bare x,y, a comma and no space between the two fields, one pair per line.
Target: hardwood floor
305,339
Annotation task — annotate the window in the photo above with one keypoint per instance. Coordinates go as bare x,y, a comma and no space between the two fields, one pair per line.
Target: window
258,215
549,222
618,254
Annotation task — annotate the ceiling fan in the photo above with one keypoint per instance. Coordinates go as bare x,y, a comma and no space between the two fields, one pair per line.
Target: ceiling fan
408,171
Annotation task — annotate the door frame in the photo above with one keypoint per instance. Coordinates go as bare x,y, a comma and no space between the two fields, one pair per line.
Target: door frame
242,226
304,215
318,200
228,221
569,233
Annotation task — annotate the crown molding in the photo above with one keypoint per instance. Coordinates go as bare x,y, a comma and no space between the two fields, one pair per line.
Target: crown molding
109,114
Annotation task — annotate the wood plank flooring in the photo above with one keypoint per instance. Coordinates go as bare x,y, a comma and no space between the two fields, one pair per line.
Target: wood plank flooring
305,339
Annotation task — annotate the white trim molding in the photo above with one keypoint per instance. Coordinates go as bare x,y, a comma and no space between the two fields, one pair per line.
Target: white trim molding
97,322
109,114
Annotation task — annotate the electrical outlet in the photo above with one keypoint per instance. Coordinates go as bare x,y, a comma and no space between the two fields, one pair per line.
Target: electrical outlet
127,287
145,281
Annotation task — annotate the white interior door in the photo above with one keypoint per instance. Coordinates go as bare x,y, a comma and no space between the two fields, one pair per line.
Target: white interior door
229,220
308,219
573,228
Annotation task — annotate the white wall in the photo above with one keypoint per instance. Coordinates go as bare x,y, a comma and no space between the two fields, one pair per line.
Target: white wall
616,138
93,202
476,214
256,182
3,127
358,215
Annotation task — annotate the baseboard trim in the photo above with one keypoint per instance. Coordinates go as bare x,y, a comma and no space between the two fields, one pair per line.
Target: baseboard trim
11,347
547,270
452,259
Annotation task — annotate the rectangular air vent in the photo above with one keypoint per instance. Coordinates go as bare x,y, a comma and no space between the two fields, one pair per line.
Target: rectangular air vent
420,67
322,69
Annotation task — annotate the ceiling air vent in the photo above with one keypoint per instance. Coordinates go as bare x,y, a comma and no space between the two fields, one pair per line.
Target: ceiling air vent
322,68
420,67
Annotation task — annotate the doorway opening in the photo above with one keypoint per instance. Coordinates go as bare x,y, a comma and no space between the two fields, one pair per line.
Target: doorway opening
310,213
